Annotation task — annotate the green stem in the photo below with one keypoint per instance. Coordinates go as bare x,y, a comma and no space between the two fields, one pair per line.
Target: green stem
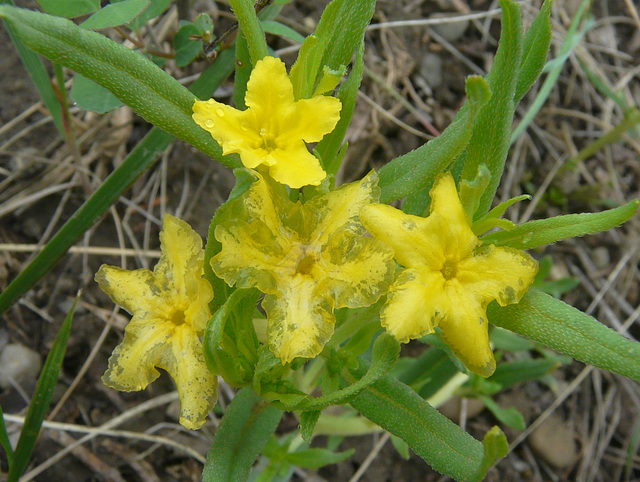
251,28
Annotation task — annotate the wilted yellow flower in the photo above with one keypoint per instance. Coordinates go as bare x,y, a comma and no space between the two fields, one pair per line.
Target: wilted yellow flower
274,128
170,312
449,279
308,258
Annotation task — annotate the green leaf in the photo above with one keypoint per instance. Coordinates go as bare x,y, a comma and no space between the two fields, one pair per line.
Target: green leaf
251,28
432,436
69,8
339,33
385,353
247,425
308,421
221,290
535,49
134,79
221,355
542,318
490,140
138,161
418,169
243,71
328,149
4,439
508,416
520,371
91,96
506,340
186,49
401,447
41,398
156,7
545,231
495,447
115,14
277,28
316,458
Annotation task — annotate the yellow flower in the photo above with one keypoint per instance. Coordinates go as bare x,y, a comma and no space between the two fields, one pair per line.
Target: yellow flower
170,312
448,280
274,128
308,258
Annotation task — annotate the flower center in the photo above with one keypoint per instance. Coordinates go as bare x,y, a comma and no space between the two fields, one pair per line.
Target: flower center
268,140
306,264
178,317
449,270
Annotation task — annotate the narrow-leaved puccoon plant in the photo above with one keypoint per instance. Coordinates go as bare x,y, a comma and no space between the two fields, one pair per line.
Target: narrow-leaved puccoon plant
305,290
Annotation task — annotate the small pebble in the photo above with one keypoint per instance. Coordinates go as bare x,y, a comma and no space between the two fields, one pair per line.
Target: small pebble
450,31
554,441
431,69
19,364
600,257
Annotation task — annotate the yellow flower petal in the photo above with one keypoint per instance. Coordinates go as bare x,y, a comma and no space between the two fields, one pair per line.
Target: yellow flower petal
300,320
311,119
296,167
170,312
269,90
197,388
273,129
501,274
308,259
466,330
414,305
446,282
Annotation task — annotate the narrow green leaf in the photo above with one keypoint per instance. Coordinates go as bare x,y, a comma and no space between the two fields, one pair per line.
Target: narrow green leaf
4,439
495,447
339,33
545,231
139,160
41,398
316,458
308,421
186,49
490,140
247,425
251,28
417,169
243,71
401,447
277,28
567,330
156,7
535,49
91,96
115,14
520,371
436,439
134,79
38,74
69,8
508,416
328,148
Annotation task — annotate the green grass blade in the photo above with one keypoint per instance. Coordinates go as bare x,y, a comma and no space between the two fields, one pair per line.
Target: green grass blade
436,439
38,74
4,439
545,319
131,77
140,159
245,428
41,398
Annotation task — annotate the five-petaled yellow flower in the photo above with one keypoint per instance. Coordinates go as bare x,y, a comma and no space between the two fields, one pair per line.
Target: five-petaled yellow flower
274,128
308,258
449,278
170,312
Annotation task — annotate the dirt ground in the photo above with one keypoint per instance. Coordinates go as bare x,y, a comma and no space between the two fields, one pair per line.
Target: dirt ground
582,423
